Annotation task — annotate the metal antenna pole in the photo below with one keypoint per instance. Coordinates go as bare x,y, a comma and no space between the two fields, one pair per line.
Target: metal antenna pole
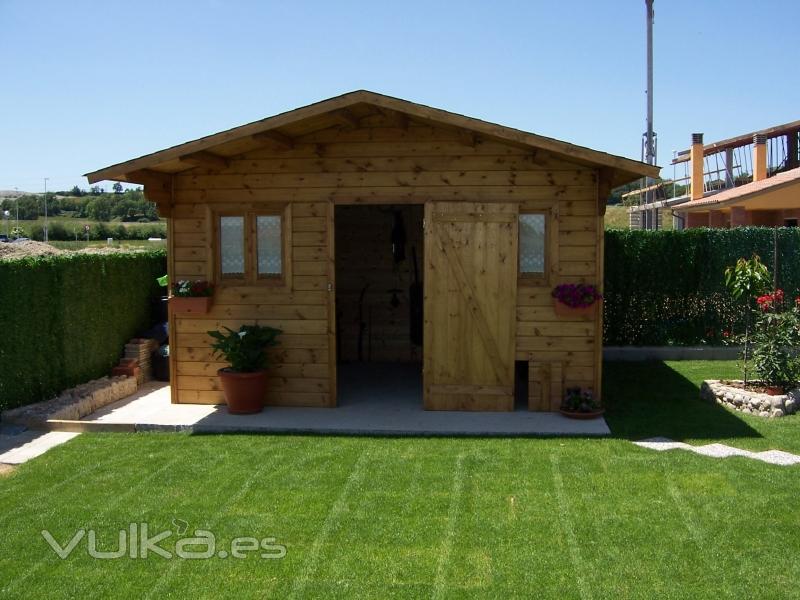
650,145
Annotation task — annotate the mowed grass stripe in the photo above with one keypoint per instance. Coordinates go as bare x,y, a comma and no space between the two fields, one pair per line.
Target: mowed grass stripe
309,566
86,508
119,499
566,525
452,523
241,491
50,476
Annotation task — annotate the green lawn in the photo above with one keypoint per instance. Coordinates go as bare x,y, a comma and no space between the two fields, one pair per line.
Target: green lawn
80,245
75,225
416,517
616,217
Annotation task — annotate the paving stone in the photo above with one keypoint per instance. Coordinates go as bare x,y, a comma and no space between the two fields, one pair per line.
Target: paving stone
774,457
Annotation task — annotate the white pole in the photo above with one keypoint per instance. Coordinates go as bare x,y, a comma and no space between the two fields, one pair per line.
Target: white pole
45,209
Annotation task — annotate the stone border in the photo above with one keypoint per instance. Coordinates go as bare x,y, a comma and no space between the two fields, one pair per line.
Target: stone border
753,403
73,404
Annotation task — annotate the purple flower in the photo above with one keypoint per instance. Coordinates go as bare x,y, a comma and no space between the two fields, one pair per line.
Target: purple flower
576,295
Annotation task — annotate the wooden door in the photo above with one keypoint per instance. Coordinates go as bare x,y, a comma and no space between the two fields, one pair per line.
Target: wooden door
470,305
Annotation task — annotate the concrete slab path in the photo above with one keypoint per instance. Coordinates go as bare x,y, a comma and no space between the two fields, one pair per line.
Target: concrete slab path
374,400
18,446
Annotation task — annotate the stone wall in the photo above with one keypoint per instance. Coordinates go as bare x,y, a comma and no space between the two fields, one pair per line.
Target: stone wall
745,401
75,403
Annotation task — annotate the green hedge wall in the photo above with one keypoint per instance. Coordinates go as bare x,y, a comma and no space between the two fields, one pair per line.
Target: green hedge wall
668,288
64,319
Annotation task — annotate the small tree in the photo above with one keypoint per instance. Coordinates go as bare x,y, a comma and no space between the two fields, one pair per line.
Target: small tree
117,187
746,280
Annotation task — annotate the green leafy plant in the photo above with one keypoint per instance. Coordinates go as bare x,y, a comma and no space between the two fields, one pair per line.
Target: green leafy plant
192,289
577,399
246,349
775,336
745,280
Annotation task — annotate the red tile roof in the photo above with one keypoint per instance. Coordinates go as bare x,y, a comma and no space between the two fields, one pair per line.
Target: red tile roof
749,189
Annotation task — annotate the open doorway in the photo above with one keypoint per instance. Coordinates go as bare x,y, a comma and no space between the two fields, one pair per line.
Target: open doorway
379,326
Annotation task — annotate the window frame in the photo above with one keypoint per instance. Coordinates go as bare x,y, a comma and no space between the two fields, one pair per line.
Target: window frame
222,278
268,279
551,240
251,277
531,278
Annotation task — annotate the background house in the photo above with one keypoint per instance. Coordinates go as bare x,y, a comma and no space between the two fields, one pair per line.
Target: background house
749,179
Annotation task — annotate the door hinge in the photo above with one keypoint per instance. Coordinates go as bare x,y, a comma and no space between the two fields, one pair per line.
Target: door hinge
330,287
423,224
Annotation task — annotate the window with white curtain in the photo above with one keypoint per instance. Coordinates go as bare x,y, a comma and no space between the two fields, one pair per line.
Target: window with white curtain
532,243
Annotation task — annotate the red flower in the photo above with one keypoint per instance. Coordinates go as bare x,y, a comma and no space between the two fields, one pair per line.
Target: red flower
772,300
726,334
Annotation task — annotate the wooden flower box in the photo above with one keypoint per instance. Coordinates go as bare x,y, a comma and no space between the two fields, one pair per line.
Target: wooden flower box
584,312
198,305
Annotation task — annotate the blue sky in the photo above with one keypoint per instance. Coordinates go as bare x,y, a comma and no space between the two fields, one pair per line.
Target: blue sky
88,84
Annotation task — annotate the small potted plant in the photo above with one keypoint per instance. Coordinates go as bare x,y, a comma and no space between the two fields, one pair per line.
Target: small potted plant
244,382
575,299
161,302
193,297
581,403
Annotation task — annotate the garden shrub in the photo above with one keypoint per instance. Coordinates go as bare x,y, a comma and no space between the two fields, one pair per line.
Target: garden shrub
66,318
668,287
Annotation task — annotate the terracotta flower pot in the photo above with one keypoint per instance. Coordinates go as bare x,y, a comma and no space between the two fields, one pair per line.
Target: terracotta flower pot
244,392
563,310
582,415
197,305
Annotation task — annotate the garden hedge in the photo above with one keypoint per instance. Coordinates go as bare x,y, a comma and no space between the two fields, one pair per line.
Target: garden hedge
66,318
668,287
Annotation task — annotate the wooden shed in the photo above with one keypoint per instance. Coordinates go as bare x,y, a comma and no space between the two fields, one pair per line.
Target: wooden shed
311,221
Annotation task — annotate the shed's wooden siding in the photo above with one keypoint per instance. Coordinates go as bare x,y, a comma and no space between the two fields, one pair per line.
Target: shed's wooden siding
376,163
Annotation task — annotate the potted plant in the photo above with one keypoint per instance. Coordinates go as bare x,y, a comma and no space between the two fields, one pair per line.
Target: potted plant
575,299
244,382
161,302
193,297
581,403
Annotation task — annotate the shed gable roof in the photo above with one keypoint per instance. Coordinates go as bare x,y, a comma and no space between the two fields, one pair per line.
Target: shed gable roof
232,142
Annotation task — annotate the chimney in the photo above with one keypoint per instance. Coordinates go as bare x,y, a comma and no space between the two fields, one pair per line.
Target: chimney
759,157
696,158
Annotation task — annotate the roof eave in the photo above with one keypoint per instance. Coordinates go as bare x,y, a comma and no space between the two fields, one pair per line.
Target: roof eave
624,169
